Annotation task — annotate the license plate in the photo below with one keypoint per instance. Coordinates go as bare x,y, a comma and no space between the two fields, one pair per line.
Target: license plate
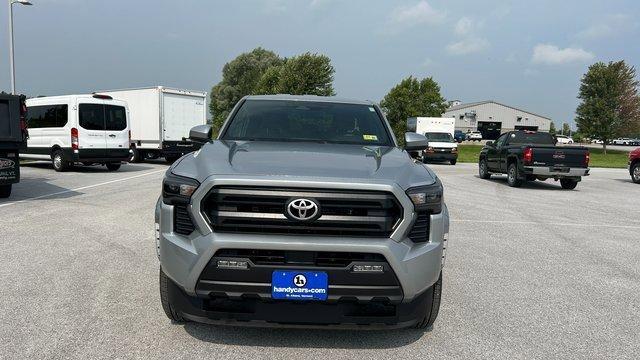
299,285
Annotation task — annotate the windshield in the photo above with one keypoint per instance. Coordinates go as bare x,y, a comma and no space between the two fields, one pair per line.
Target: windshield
287,120
438,137
523,137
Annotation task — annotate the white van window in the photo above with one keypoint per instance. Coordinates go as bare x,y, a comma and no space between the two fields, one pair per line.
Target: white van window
102,117
47,116
116,117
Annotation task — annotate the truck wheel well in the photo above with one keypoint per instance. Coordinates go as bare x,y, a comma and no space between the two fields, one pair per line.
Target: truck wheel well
54,148
511,160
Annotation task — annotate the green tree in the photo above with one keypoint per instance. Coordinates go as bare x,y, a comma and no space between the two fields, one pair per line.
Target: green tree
239,78
610,105
566,129
552,128
412,97
264,72
307,74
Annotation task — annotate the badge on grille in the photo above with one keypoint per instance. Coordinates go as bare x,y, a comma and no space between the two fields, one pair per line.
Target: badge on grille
302,209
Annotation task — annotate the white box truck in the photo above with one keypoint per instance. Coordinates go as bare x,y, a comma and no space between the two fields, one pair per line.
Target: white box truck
439,132
161,118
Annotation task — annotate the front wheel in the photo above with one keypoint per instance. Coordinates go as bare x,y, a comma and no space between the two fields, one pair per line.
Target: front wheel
433,305
113,166
453,162
483,172
568,184
512,176
167,306
635,173
5,191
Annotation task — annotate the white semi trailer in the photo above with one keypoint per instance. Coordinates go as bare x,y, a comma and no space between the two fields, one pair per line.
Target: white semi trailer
161,118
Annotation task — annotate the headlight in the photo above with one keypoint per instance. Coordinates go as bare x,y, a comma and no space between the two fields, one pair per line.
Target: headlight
178,189
427,197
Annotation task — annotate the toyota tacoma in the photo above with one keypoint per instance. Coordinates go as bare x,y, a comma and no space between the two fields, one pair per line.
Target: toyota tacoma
304,211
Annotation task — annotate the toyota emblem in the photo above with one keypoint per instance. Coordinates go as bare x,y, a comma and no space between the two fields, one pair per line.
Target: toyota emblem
302,209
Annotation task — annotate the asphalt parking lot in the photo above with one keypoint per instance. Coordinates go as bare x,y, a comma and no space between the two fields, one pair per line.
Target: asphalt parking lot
535,272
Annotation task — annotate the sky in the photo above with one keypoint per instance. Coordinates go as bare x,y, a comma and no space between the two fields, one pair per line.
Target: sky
528,54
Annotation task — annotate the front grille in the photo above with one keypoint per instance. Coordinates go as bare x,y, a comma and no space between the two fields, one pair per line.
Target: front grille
262,210
420,230
300,258
182,223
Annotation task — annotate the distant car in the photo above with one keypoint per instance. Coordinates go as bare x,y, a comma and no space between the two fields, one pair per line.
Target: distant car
596,141
634,165
635,142
563,139
622,141
459,136
474,136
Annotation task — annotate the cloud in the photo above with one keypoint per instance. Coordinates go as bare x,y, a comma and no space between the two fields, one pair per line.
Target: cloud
467,46
427,62
318,3
420,13
552,55
609,26
274,6
463,26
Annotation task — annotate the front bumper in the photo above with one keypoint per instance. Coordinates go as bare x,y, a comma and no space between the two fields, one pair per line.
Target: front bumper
184,259
438,155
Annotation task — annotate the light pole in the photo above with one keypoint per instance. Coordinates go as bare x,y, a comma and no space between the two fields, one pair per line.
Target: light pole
11,64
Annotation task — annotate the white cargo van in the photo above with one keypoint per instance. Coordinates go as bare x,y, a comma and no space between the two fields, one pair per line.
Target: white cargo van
439,132
71,129
161,118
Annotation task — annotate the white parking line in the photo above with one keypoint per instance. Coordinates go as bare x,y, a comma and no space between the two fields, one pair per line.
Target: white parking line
544,223
82,188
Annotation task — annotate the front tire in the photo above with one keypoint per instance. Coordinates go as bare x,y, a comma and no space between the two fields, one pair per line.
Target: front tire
483,171
635,173
568,184
168,308
453,162
113,166
5,191
433,307
58,161
512,176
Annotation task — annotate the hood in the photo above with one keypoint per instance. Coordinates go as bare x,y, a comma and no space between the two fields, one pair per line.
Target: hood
337,162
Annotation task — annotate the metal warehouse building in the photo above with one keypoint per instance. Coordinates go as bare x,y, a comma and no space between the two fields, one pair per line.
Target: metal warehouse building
493,118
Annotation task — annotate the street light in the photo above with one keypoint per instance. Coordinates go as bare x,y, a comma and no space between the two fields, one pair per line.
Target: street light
13,70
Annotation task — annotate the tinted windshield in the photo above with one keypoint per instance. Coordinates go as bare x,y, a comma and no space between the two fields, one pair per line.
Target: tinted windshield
523,137
282,120
439,137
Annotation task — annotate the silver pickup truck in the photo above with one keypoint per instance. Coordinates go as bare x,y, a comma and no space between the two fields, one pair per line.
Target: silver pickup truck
303,212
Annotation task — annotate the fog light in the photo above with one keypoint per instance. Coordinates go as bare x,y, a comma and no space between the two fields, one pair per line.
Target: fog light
158,240
368,268
233,264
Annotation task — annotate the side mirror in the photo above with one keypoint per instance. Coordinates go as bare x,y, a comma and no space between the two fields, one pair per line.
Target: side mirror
489,143
200,133
415,142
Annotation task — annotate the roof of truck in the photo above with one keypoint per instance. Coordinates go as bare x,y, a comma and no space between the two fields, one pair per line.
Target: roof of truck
329,99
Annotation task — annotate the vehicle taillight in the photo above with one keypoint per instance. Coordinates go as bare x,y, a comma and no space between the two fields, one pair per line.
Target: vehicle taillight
586,159
74,139
527,157
23,117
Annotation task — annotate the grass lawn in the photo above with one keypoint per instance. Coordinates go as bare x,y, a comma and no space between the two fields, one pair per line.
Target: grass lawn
613,159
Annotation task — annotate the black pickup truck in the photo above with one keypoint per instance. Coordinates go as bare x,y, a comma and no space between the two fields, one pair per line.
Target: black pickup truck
530,155
13,138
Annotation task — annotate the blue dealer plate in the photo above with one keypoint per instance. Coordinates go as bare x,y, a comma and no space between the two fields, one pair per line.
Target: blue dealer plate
299,285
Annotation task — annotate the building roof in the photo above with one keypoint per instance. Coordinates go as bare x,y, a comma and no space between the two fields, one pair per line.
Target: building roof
468,105
332,99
